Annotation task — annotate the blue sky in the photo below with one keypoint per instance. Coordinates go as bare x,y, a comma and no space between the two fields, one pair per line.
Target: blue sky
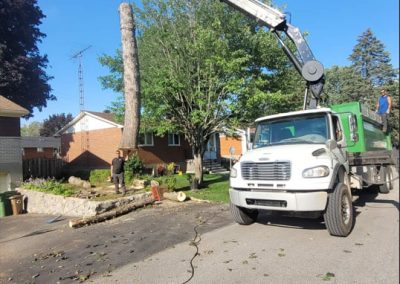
71,25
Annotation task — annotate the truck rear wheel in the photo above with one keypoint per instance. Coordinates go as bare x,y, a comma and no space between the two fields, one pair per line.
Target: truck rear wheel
386,186
339,212
243,216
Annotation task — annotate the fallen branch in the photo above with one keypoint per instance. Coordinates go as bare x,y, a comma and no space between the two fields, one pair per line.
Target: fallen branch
110,214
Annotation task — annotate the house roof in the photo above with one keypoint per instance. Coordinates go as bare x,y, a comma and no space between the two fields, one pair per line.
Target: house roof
107,116
102,116
40,142
11,109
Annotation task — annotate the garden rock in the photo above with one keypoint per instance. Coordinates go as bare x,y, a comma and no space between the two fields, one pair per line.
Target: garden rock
79,182
139,184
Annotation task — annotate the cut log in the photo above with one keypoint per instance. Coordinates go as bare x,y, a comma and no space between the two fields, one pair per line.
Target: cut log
110,214
175,196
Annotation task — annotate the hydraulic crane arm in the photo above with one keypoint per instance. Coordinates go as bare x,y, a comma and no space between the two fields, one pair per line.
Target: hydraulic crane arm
305,63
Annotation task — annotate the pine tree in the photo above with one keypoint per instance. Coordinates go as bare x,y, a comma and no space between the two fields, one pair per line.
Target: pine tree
371,61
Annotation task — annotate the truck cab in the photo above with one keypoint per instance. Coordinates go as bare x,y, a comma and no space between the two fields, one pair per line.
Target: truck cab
290,167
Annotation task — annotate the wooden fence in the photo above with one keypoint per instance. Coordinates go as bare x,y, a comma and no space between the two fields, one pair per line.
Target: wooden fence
42,168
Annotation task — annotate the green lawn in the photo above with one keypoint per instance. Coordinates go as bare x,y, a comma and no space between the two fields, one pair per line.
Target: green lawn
216,188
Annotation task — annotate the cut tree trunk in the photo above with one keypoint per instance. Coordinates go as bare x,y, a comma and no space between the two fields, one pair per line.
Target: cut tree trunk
198,169
175,196
129,139
110,214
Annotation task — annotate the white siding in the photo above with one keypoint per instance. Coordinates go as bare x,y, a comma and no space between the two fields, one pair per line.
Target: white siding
89,123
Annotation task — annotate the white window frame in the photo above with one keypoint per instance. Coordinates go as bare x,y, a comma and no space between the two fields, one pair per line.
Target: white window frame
146,138
173,135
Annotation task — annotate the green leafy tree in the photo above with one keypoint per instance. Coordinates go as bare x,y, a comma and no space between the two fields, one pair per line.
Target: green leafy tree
371,61
54,123
201,62
344,84
22,68
32,129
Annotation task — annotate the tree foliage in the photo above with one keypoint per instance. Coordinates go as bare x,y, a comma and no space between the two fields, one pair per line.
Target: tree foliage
201,62
32,129
54,123
371,61
22,68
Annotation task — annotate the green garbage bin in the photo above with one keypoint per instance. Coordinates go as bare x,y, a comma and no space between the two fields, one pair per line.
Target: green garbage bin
5,204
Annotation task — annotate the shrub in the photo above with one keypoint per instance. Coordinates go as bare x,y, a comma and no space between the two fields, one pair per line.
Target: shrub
134,165
167,181
50,186
171,168
99,176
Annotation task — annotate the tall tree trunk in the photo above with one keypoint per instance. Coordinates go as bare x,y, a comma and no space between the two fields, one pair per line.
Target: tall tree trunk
198,166
129,140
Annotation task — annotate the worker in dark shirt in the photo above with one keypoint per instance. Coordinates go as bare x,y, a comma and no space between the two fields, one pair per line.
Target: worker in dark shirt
117,172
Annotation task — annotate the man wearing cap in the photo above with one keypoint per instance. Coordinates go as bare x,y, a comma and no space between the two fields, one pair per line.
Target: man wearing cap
117,172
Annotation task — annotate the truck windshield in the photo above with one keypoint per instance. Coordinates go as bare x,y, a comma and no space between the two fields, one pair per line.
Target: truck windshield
292,130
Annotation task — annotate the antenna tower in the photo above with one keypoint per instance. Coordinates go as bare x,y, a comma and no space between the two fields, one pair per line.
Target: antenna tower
78,56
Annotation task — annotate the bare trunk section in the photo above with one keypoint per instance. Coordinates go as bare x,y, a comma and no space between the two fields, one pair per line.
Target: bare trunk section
198,168
129,140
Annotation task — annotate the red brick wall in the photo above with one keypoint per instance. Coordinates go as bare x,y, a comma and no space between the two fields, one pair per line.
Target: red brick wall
101,146
32,153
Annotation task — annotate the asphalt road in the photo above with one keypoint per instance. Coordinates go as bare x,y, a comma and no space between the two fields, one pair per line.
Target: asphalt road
33,251
279,249
155,245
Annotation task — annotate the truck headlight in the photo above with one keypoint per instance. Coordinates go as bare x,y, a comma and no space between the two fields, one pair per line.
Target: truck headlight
233,173
316,172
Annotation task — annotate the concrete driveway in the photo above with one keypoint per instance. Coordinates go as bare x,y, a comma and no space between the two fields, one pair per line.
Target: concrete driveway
280,249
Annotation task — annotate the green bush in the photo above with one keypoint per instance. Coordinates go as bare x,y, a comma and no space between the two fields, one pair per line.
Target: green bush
99,176
171,168
134,165
167,181
50,186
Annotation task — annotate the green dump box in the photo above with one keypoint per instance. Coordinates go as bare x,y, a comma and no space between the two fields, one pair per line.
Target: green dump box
370,136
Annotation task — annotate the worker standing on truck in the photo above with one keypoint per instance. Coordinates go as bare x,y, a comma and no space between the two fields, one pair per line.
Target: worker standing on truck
383,108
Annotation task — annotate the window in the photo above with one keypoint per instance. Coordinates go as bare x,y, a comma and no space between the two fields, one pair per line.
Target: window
173,139
39,149
146,139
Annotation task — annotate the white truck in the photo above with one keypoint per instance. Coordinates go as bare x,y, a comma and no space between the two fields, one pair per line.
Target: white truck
308,161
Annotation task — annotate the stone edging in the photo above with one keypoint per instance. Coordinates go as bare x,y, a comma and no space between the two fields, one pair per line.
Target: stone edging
40,202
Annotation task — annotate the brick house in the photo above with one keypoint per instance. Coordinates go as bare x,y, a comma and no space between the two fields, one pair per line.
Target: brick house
10,144
89,142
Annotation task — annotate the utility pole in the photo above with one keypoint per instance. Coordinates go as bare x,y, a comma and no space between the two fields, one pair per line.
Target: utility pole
78,56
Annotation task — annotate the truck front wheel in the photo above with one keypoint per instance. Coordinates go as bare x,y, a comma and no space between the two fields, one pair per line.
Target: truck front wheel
243,216
339,212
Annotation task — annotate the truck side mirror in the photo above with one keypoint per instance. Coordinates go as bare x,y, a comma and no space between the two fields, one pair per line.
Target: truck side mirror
353,128
331,144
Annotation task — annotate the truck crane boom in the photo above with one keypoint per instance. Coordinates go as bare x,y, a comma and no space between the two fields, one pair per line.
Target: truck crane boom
305,63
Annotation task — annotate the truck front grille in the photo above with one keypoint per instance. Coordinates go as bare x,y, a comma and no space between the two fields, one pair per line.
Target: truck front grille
266,171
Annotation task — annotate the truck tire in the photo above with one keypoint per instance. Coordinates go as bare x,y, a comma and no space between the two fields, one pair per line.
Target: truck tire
243,216
385,187
339,213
